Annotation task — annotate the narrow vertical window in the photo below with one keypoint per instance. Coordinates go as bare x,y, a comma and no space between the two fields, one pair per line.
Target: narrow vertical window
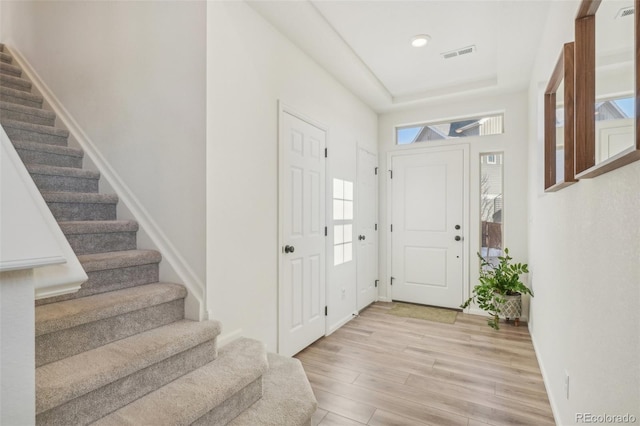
342,221
491,206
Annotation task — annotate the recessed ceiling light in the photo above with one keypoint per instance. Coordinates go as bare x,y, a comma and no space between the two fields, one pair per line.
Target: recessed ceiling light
420,40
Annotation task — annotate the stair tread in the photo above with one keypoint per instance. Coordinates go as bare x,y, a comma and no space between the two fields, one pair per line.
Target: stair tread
71,313
5,57
43,169
16,81
27,110
51,149
20,94
79,197
10,68
118,259
190,397
287,400
37,128
97,226
70,378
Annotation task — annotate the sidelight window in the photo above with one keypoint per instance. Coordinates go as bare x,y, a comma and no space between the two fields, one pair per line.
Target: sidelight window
342,221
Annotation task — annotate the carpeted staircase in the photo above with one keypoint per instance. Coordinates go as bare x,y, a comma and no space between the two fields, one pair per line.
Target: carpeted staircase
119,351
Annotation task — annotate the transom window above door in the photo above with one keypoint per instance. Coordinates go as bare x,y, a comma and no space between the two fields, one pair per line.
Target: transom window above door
483,125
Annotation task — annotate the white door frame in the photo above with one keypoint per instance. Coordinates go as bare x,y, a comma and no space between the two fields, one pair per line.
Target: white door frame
285,108
465,207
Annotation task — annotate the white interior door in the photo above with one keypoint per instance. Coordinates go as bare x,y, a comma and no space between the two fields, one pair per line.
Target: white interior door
367,243
302,222
428,192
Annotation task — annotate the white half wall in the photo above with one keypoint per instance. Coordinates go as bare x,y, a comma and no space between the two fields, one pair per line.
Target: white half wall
584,253
513,142
132,75
250,68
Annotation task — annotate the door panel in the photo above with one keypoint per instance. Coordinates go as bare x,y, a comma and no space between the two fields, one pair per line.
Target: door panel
302,219
427,205
367,247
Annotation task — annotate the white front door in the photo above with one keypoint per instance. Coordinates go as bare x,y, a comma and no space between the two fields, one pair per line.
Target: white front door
302,239
367,243
427,239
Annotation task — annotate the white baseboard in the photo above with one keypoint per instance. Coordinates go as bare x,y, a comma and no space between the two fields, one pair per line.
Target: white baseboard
226,338
384,299
340,323
545,380
178,267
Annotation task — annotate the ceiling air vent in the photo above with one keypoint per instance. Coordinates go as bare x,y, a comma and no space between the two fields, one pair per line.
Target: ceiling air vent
625,11
459,52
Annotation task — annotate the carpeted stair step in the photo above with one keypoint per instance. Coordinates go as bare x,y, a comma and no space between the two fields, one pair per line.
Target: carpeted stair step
9,111
51,155
73,206
287,399
114,271
68,328
212,395
16,83
63,179
21,131
20,97
10,69
6,58
85,387
95,236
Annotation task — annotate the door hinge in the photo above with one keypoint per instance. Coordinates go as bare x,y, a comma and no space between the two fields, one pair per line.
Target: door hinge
326,152
376,283
391,174
376,226
325,231
392,278
392,227
325,311
376,170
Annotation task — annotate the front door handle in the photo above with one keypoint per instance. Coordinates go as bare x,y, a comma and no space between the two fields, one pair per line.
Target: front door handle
458,238
289,249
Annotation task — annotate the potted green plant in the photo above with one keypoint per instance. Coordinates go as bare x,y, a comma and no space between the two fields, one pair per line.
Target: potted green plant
500,290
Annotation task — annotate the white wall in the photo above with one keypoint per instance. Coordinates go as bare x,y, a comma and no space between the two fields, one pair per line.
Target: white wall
514,145
250,68
132,74
584,245
17,348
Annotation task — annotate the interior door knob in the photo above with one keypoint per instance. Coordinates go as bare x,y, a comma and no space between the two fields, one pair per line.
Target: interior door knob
362,237
289,249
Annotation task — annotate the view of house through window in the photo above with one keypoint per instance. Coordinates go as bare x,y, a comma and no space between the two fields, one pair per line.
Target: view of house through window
491,206
343,221
460,128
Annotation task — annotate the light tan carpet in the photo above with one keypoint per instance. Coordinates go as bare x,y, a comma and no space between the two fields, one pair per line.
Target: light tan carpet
428,313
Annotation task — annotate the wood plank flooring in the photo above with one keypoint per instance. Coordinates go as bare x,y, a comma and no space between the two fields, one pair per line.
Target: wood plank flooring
383,370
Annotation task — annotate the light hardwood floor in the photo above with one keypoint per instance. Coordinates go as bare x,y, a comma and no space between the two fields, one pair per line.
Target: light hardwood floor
384,370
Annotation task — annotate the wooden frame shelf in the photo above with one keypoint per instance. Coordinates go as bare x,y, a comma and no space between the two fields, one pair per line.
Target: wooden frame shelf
563,72
585,52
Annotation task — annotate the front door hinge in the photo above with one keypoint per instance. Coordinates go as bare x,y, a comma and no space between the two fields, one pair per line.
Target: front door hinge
376,170
391,174
392,227
325,311
325,231
392,278
376,283
376,226
326,152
